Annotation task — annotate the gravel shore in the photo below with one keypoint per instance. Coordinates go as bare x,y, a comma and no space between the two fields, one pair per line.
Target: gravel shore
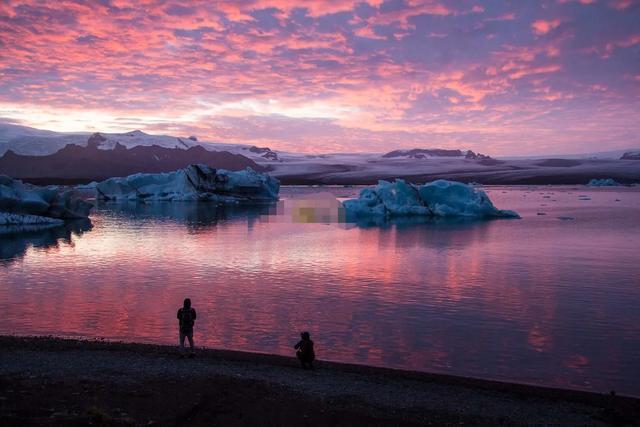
52,381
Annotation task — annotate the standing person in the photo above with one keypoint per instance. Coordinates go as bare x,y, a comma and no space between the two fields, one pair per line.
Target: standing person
304,350
186,317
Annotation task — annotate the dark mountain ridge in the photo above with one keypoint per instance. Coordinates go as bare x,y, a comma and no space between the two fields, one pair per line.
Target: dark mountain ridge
76,163
422,153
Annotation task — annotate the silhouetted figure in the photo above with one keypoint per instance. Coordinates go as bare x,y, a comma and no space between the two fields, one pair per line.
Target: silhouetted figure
304,350
186,317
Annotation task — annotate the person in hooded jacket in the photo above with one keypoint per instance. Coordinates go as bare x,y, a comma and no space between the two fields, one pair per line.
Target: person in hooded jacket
304,350
186,320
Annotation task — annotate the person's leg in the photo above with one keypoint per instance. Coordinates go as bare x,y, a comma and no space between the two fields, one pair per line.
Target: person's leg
307,362
190,337
182,336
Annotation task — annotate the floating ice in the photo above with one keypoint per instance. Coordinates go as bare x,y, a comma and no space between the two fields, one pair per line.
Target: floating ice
26,204
606,182
439,198
193,183
89,186
10,219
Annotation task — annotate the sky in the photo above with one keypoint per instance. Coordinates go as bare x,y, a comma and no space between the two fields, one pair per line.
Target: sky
497,77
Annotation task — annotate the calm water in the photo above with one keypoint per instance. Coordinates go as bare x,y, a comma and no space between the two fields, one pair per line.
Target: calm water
539,300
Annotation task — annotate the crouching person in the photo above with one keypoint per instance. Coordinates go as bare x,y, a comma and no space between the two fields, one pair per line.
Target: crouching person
186,317
304,350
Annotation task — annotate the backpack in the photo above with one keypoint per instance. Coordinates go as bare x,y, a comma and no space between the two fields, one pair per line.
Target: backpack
186,317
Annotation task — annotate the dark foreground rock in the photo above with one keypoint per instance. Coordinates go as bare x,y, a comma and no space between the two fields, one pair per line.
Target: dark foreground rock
47,381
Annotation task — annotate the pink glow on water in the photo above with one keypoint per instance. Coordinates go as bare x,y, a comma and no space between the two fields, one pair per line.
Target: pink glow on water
541,299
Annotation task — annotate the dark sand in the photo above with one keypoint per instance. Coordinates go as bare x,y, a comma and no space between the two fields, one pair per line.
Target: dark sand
50,381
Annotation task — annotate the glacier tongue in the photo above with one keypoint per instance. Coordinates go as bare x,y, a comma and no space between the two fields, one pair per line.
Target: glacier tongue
439,198
193,183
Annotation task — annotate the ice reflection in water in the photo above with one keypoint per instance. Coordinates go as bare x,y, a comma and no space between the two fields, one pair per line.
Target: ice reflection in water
534,300
15,240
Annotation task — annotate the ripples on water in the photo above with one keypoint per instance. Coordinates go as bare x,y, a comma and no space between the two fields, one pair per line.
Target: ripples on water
539,300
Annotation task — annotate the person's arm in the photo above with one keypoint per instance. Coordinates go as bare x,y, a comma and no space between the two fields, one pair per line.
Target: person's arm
194,313
297,346
178,315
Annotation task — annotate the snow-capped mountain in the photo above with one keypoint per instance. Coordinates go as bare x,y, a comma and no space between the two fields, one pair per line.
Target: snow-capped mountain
36,142
631,155
32,153
425,153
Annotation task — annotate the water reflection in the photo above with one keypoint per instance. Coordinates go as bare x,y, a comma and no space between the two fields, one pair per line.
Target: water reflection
320,208
190,214
16,240
536,300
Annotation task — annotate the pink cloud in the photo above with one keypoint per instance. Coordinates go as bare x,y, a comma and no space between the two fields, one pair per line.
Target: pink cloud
606,49
541,26
622,4
509,16
585,2
373,71
534,70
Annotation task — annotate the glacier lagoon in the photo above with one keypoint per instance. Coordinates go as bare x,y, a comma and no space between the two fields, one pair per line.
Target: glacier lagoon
551,299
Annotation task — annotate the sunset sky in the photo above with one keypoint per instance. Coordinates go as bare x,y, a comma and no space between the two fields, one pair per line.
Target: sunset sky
502,78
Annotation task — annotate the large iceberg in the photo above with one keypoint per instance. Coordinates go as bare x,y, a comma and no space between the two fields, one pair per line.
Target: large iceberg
193,183
22,203
439,198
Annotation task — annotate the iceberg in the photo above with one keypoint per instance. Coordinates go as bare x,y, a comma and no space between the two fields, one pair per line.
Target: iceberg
11,219
605,182
90,186
193,183
22,204
438,199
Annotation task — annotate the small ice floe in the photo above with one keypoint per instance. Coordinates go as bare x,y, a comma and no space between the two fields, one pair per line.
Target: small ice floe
11,219
605,182
541,213
439,198
193,183
566,218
